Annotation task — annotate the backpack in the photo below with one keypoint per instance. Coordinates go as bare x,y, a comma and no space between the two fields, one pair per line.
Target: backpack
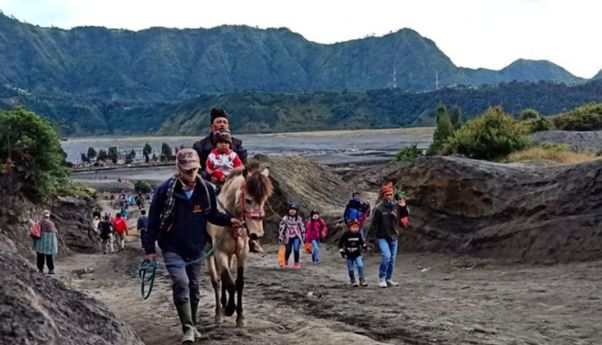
105,229
35,231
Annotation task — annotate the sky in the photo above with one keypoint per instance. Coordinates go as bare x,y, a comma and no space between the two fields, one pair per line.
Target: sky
473,33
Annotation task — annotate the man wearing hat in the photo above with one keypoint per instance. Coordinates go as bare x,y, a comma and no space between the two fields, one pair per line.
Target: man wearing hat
203,147
177,219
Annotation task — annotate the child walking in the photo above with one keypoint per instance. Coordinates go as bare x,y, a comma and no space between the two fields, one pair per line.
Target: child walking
350,247
315,230
292,233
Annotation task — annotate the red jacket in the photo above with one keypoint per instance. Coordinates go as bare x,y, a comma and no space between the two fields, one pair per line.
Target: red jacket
315,229
119,225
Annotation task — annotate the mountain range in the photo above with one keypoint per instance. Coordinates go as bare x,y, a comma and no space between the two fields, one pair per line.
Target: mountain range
95,81
166,64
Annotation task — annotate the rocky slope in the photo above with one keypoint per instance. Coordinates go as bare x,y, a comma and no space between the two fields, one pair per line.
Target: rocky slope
297,179
71,215
37,309
504,211
577,140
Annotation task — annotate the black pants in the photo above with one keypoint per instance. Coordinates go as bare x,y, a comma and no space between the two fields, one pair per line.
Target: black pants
48,259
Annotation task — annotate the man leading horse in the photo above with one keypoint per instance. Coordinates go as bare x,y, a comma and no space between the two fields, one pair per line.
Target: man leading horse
177,219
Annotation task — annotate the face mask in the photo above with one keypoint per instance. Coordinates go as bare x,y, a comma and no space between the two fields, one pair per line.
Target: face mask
357,198
315,217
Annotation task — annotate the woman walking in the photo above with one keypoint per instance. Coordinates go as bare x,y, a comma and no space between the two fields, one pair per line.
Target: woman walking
47,245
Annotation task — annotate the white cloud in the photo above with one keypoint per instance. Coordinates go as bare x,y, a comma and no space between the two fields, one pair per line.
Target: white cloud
473,33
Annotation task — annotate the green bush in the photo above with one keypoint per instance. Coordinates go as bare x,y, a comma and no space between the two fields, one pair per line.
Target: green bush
31,147
587,117
408,154
529,114
142,187
490,136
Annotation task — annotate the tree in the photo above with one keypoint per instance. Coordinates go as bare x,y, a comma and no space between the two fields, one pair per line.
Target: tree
30,147
146,151
84,158
444,130
91,153
154,158
142,187
129,158
113,154
456,117
102,155
166,152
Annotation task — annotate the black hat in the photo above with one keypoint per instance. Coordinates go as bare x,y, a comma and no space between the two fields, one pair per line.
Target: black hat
217,112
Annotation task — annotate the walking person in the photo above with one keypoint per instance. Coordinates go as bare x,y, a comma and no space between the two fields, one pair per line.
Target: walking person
120,229
358,210
177,219
316,229
46,247
142,225
350,247
105,230
292,233
386,221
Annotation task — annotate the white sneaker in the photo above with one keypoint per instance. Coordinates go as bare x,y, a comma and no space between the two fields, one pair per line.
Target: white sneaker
382,283
391,283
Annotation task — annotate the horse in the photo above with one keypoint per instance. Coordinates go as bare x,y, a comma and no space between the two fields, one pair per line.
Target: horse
243,195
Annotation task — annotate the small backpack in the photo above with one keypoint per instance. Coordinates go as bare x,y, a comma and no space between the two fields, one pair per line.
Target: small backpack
35,231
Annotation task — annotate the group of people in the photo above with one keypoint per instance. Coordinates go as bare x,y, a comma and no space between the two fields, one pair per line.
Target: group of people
389,216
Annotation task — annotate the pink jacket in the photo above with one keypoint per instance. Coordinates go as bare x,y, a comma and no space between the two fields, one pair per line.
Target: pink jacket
315,229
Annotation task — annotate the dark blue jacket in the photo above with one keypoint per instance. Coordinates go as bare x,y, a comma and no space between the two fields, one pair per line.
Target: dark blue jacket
187,234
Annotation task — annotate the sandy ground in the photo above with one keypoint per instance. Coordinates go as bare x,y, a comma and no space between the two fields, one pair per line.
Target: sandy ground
441,300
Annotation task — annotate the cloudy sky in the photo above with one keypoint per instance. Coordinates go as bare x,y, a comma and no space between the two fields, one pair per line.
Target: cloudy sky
473,33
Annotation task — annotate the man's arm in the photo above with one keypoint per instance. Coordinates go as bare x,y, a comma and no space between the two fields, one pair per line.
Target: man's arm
154,221
215,216
240,150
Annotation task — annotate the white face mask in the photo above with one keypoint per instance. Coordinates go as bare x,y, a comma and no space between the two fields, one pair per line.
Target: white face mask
315,217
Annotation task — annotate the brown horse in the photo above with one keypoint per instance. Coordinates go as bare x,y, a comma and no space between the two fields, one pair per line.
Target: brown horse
243,195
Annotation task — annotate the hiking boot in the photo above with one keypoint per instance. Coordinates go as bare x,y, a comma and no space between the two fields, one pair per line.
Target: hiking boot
297,266
382,283
363,282
51,272
391,283
353,283
255,247
185,315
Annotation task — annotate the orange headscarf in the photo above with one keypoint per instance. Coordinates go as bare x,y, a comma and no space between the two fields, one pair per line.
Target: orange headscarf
386,188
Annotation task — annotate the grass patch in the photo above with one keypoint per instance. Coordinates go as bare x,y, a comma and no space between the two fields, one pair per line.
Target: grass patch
558,153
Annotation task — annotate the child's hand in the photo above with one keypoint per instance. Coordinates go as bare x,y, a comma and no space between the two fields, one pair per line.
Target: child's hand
342,252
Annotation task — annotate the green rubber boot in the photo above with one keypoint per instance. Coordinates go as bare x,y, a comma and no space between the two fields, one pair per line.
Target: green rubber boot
185,315
194,306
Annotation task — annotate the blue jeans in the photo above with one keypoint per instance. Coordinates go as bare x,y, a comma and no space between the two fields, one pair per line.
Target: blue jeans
294,245
388,250
315,251
184,279
360,268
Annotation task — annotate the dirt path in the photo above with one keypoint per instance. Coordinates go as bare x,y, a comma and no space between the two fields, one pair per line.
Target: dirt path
441,300
454,301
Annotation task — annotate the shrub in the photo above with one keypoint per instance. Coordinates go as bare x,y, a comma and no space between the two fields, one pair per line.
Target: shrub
559,153
408,154
31,147
142,187
587,117
490,136
529,114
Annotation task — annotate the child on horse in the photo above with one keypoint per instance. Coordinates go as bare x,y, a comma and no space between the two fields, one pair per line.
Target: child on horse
222,157
292,233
